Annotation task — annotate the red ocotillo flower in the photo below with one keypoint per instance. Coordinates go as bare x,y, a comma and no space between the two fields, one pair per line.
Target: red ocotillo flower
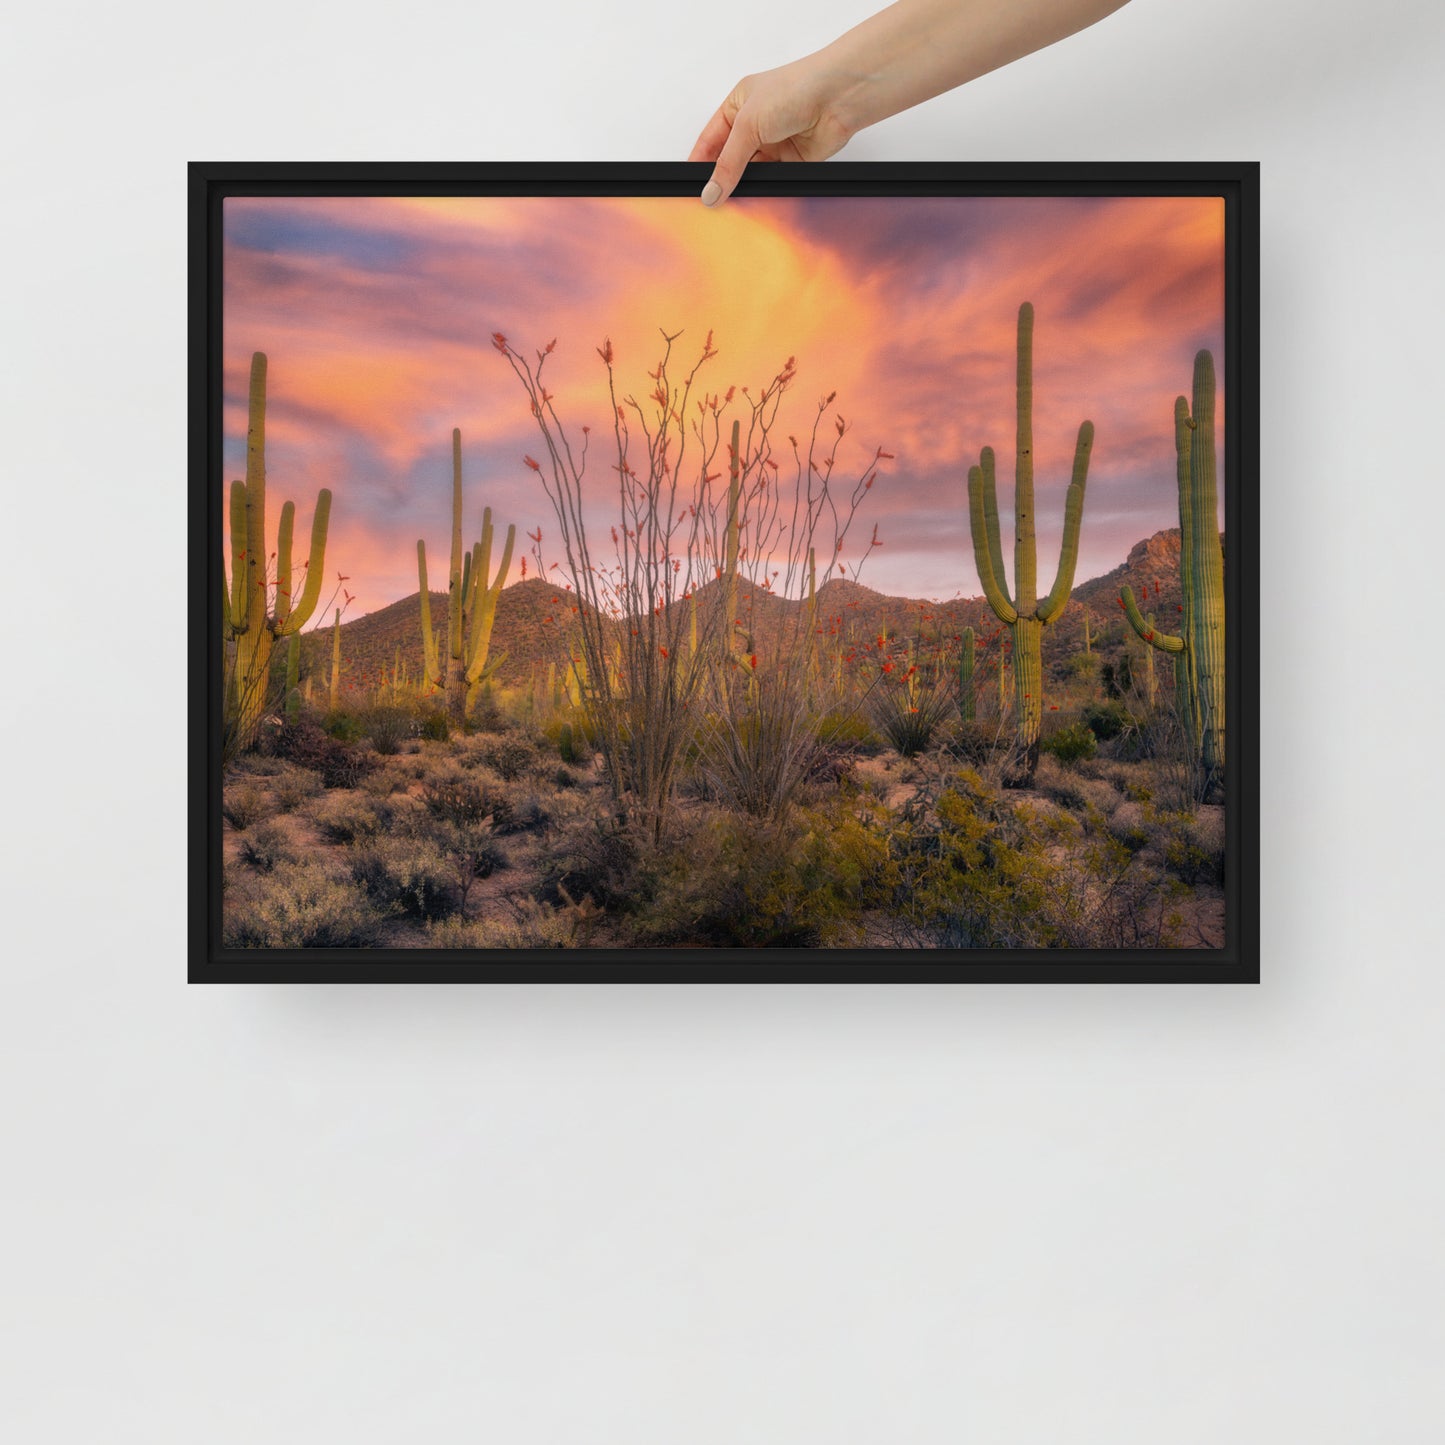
499,341
532,462
605,352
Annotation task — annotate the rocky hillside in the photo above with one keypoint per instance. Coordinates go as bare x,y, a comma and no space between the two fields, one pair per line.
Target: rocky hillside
533,618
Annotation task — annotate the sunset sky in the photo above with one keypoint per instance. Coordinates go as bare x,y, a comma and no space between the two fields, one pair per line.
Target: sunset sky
376,316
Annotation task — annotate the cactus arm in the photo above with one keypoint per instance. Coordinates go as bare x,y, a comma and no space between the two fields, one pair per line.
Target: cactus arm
1206,637
1053,605
454,584
236,618
1003,609
283,562
301,610
254,611
432,674
990,516
1025,556
485,613
1164,641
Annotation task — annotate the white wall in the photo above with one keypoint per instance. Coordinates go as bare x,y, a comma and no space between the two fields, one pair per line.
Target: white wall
638,1216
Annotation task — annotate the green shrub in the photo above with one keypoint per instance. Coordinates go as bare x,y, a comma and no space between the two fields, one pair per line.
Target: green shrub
1071,743
1080,664
1107,719
344,726
297,905
436,727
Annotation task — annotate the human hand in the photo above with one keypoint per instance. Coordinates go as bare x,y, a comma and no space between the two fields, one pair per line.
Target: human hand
785,114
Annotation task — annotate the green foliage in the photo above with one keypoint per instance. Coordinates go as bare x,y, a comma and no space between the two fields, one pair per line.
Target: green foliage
802,881
1081,665
1071,743
436,727
344,726
1108,719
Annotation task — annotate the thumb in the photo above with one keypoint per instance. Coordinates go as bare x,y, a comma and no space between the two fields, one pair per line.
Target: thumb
740,147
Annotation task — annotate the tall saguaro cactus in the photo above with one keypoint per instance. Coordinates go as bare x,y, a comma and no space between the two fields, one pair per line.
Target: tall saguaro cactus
471,605
1198,649
1023,614
251,620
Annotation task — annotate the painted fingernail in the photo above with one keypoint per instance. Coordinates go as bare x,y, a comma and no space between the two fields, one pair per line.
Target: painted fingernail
711,193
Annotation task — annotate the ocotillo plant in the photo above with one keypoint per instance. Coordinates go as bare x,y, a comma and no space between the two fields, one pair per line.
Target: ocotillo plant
681,532
472,595
1023,614
965,675
1198,649
251,619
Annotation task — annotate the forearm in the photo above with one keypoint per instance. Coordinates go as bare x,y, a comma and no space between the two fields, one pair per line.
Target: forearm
917,49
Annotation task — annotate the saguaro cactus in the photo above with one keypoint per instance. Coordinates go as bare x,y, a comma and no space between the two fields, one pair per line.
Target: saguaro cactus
471,605
965,675
336,660
1023,614
1198,649
251,620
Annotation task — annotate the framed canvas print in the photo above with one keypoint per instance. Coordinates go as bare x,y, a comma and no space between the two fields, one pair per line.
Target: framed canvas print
853,583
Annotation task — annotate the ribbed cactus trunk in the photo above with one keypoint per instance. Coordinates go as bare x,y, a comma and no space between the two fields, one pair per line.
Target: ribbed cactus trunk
456,687
1205,578
1023,614
293,678
472,596
1151,681
1198,649
965,675
251,624
431,678
1088,634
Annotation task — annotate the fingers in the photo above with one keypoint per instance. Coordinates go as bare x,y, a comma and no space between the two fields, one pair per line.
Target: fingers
741,145
714,134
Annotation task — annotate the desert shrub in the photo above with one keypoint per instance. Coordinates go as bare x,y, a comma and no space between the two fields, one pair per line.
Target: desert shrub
308,746
244,803
509,755
525,924
344,726
977,872
850,730
436,727
297,905
1071,743
564,777
466,800
600,860
975,741
266,845
388,728
348,818
1184,845
1070,786
293,786
385,781
910,712
411,876
1107,719
802,881
1080,664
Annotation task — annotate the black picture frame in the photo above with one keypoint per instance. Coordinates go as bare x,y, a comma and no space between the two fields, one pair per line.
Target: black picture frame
1237,962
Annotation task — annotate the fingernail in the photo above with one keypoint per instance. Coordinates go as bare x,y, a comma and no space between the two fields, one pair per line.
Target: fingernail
711,193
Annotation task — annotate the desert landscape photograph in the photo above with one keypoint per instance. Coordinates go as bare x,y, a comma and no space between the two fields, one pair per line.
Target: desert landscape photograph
837,572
